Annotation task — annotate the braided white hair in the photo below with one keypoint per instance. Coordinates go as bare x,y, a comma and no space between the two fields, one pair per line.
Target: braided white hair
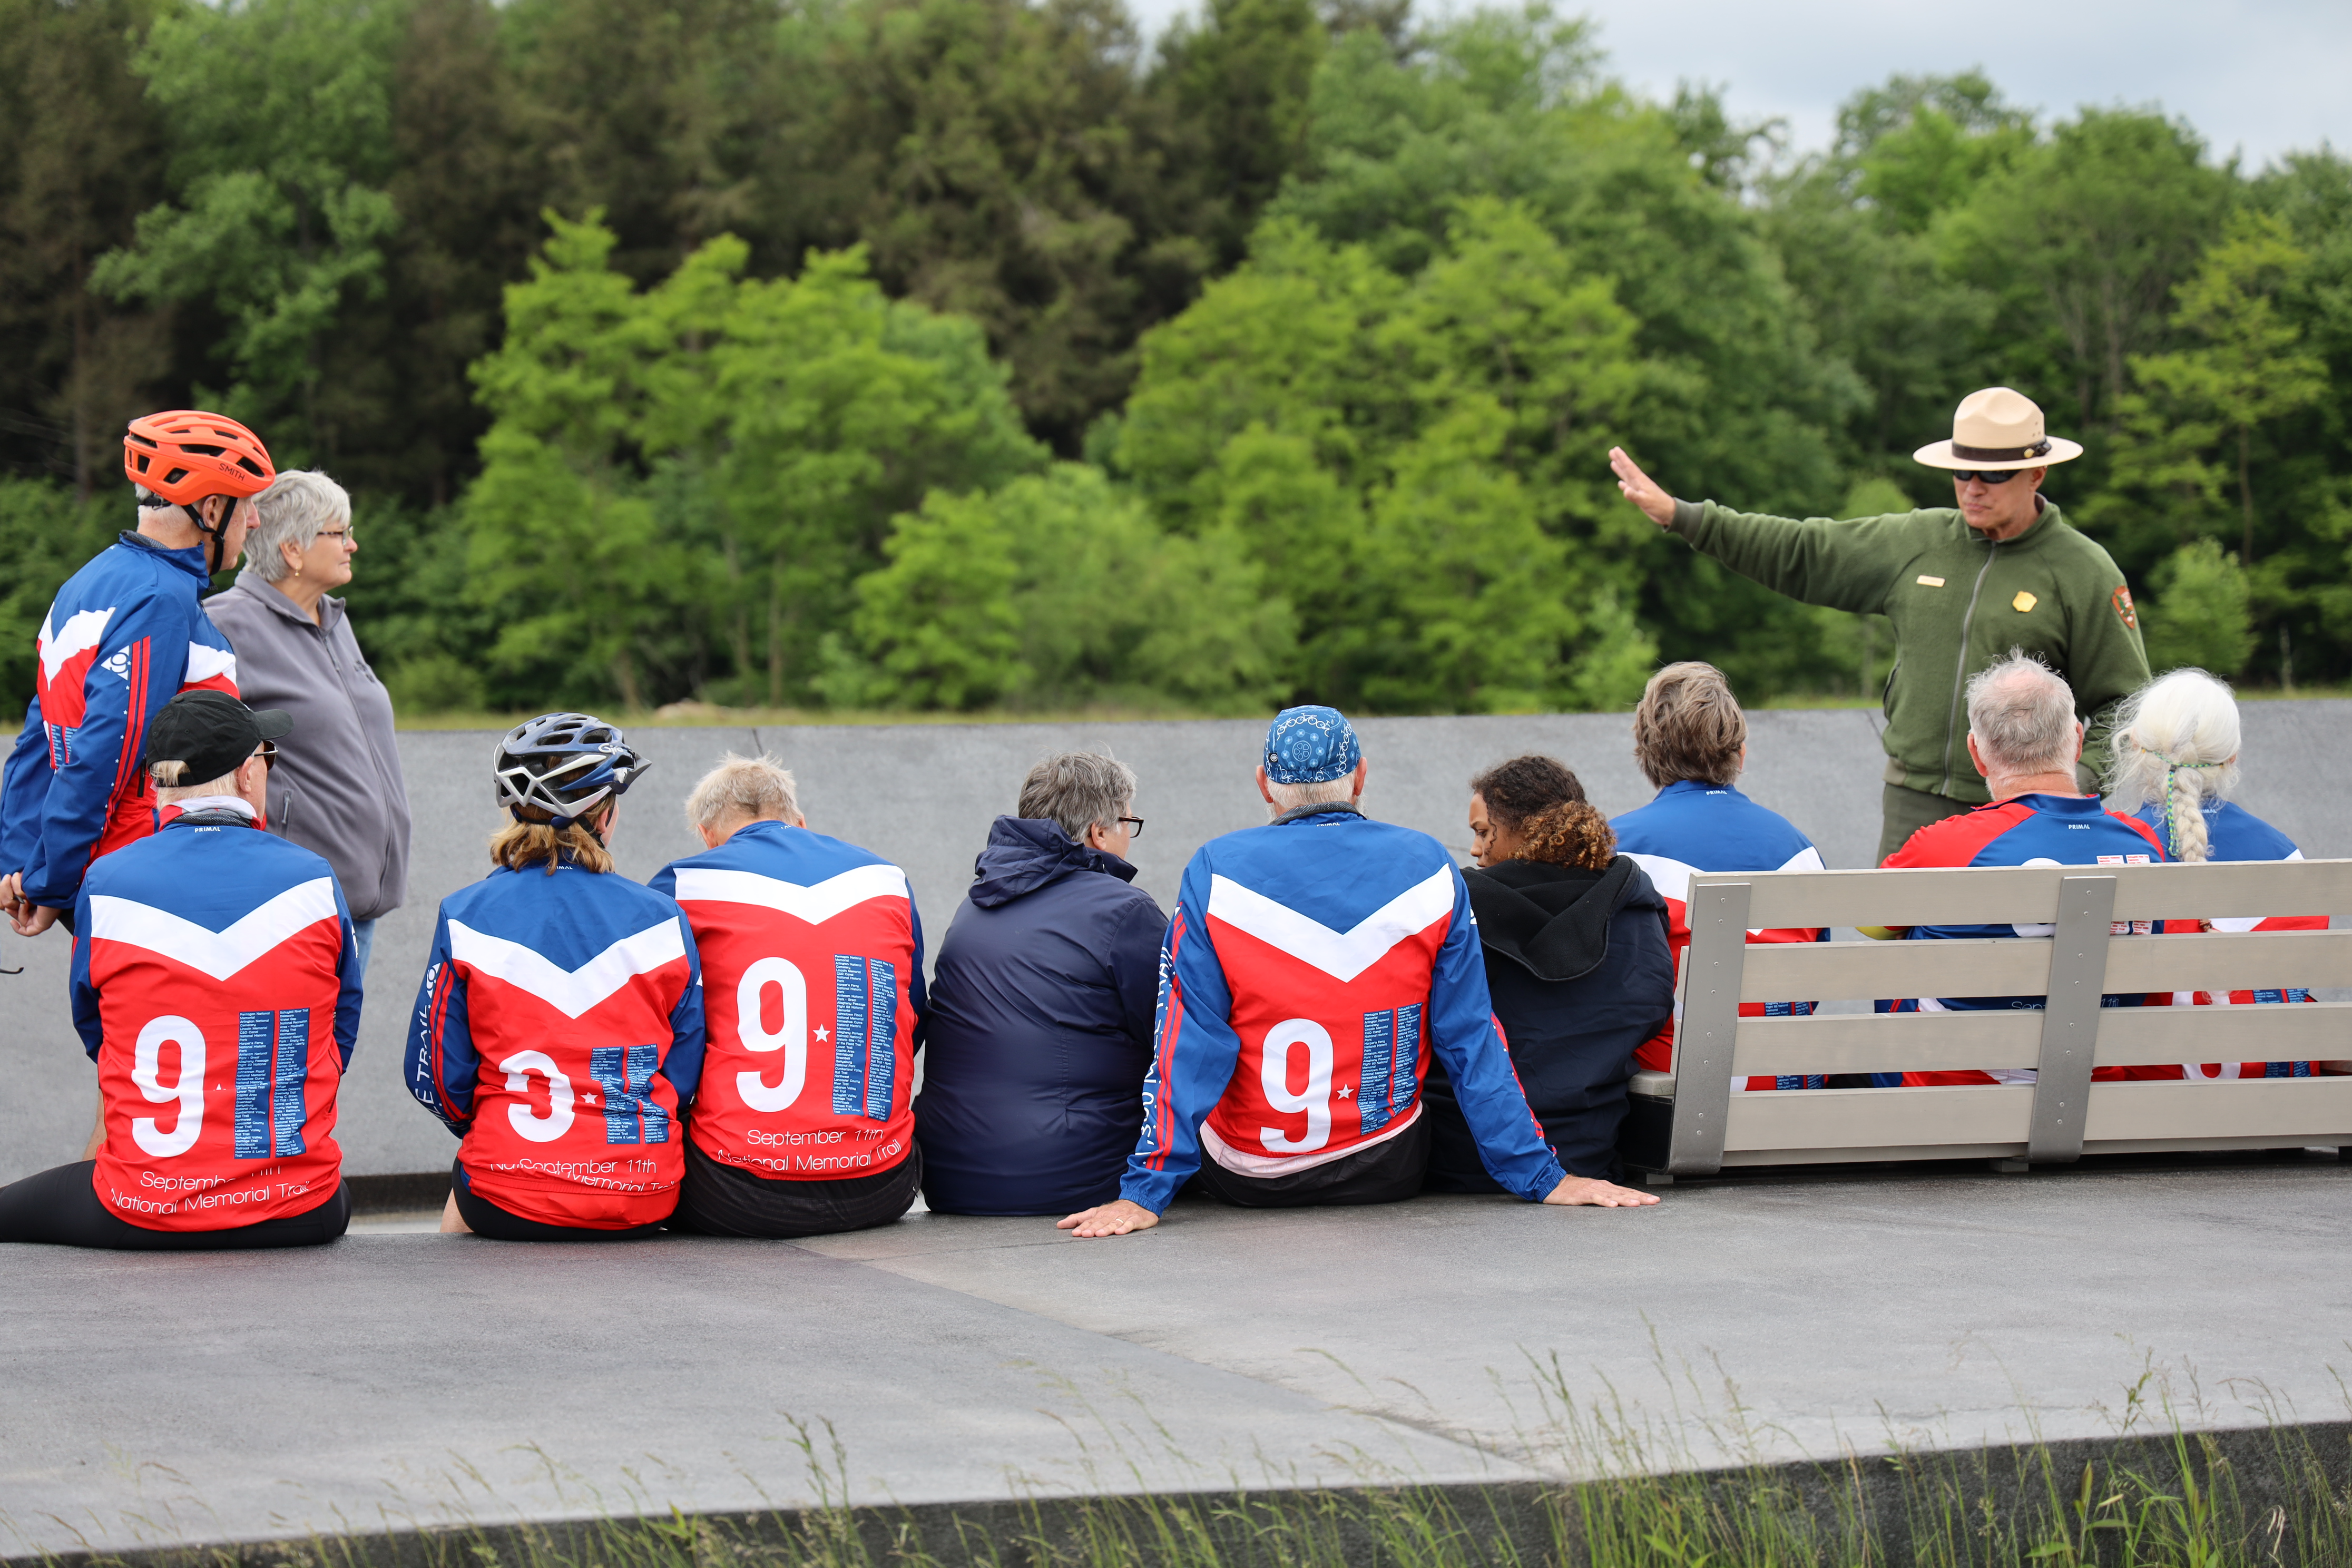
2175,745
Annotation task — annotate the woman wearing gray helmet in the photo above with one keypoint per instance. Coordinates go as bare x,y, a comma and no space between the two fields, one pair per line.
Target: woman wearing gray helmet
558,1029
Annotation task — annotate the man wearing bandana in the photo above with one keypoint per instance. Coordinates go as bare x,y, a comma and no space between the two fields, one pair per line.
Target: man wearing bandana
1313,967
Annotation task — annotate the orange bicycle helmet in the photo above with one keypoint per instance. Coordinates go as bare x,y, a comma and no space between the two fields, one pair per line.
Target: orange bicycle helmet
184,454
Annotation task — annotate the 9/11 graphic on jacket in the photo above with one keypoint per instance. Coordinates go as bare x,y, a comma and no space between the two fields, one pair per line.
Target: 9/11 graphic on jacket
1312,968
124,635
212,985
812,968
559,1033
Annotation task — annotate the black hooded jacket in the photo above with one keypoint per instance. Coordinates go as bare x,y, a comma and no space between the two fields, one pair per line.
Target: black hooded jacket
1580,974
1039,1029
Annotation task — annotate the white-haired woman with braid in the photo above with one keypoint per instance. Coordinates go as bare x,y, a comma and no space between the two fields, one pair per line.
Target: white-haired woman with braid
2174,765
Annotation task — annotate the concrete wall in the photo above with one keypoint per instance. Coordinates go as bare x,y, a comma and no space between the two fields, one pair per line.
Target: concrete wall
924,796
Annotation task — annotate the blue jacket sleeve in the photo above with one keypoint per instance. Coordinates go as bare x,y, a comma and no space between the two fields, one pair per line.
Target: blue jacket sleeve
1193,1051
84,994
347,1000
443,1065
24,792
682,1063
138,668
1466,1038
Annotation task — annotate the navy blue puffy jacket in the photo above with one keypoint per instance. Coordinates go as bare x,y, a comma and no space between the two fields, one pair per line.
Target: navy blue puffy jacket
1040,1029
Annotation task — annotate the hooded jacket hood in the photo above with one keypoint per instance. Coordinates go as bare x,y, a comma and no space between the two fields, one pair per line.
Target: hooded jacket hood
1553,920
1027,853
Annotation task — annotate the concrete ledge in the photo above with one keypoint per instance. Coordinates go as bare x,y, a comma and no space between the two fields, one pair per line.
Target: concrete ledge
2270,1494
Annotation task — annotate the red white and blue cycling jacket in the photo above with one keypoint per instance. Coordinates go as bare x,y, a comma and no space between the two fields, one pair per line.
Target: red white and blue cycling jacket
123,636
1694,827
1312,966
812,978
216,986
559,1033
2025,830
2233,833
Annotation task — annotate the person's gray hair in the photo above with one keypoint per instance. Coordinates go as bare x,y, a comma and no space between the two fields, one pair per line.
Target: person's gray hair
758,788
2022,716
1077,790
1289,797
2176,747
296,505
168,788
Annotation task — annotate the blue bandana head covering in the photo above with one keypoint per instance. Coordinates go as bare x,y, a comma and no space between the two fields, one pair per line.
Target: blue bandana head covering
1310,745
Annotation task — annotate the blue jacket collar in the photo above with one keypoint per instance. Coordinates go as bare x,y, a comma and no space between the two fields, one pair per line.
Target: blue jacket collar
1025,854
191,560
1697,786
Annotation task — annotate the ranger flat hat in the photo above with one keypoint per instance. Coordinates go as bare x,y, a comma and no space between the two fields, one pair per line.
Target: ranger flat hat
1995,429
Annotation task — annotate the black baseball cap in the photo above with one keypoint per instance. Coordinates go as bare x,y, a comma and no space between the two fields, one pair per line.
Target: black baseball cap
212,733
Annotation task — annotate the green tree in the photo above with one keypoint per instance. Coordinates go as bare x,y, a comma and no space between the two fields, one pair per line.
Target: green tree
691,478
1054,591
84,155
281,112
2203,615
46,535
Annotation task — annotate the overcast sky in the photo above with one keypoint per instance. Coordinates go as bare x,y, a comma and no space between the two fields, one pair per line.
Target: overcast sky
2262,76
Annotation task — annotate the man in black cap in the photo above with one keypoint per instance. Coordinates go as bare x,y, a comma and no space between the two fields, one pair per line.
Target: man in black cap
215,988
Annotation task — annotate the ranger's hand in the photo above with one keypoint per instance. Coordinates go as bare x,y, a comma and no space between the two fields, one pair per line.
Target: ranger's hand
1641,490
1592,1191
1114,1218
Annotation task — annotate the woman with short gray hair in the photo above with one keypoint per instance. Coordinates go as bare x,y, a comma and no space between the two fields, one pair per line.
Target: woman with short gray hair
1040,1028
337,788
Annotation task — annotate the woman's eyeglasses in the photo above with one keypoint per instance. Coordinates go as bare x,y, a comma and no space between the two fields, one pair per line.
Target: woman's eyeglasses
1134,826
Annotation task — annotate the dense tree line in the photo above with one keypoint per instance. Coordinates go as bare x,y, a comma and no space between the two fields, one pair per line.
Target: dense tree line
947,353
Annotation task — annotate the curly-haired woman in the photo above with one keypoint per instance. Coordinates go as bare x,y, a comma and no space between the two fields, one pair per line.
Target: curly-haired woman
1576,963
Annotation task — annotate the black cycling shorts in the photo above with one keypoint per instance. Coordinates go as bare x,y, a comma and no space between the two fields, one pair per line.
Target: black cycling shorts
1384,1174
719,1199
484,1217
61,1207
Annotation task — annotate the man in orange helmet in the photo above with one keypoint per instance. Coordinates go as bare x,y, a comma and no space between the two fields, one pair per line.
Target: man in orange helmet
124,635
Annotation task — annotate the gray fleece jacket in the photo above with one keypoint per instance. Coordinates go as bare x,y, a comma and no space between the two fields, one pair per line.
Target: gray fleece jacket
337,788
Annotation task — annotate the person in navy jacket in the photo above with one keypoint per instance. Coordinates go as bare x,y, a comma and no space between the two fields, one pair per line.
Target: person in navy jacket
1313,968
2024,739
2174,766
123,638
216,988
1041,1014
1577,962
813,981
558,1031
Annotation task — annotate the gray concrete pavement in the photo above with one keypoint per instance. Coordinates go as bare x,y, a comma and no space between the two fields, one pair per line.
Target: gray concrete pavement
924,796
164,1399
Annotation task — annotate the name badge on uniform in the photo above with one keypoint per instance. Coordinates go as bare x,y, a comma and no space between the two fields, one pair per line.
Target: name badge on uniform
2023,602
1926,582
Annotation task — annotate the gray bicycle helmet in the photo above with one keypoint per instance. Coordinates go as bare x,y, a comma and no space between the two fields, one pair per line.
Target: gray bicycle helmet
564,764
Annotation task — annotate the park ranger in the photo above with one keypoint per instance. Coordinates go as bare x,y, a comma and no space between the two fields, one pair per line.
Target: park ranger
1965,584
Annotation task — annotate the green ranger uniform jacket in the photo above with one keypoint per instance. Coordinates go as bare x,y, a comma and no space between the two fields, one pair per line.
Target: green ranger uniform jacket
1959,604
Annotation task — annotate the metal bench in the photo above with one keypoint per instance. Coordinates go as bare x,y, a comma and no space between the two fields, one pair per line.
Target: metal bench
1690,1123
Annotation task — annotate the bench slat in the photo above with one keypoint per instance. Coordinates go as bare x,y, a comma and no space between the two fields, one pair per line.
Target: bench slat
1946,1122
2227,961
2000,895
1922,1042
2019,967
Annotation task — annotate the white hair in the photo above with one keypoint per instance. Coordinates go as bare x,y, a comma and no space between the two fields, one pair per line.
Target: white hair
2175,745
1289,797
759,788
296,505
2022,716
1076,790
169,790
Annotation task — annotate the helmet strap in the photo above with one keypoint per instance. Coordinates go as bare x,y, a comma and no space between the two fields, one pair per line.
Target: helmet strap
217,533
